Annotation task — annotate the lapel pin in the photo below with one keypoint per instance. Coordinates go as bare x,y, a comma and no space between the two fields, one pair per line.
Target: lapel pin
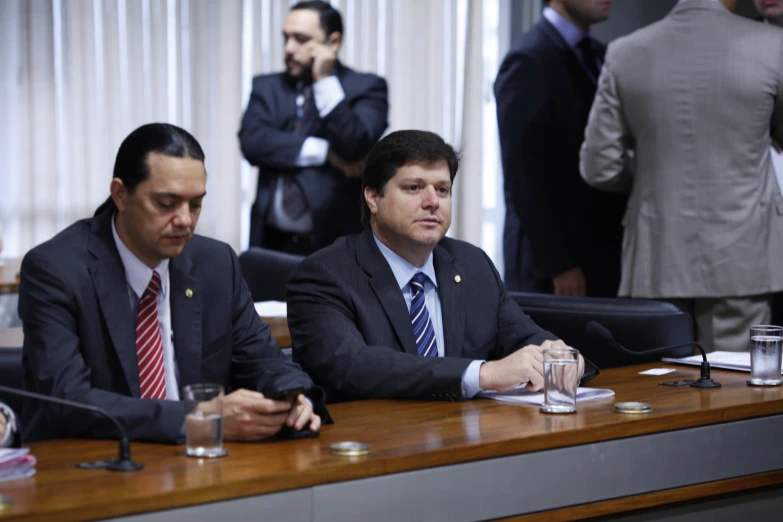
457,279
188,293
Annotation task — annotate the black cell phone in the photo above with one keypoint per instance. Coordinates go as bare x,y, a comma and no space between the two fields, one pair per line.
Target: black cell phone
289,394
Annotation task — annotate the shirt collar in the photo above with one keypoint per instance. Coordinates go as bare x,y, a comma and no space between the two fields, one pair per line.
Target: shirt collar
137,273
403,271
570,33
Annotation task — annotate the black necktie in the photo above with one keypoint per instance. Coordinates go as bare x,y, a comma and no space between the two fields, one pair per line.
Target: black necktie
294,202
588,58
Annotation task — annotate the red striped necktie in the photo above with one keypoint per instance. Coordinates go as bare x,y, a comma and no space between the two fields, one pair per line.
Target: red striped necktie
149,344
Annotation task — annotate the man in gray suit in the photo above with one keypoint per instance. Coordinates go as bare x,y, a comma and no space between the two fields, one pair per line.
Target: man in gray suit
697,97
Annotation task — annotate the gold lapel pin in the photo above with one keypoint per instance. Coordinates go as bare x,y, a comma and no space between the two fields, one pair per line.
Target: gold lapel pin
457,279
188,293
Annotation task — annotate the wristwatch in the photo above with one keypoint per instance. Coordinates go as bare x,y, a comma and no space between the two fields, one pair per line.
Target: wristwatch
10,425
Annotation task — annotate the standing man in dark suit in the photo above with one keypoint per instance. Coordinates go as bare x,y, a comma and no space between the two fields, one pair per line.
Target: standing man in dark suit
122,310
308,130
400,311
561,236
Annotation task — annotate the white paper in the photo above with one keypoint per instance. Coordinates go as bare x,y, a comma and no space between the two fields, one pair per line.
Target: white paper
16,473
7,454
657,371
520,396
739,361
271,309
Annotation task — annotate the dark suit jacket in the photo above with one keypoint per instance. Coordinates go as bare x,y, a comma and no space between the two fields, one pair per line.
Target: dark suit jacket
351,329
269,143
554,221
80,341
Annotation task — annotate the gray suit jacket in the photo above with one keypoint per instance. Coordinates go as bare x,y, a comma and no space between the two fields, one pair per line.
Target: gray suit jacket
696,96
80,339
351,329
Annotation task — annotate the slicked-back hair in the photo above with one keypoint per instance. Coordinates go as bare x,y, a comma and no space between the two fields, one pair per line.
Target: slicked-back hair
329,17
400,148
131,165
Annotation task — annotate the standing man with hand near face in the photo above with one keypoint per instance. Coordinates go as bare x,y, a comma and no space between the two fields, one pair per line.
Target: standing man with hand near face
308,131
402,312
122,310
561,236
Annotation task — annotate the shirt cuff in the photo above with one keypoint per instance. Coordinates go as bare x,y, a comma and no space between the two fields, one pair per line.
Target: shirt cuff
10,427
470,380
328,93
313,152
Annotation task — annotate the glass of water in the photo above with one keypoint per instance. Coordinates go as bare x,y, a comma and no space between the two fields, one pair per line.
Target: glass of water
561,380
766,346
204,420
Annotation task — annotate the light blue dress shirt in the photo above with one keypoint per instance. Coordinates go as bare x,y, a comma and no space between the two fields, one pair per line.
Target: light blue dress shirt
572,36
403,272
138,276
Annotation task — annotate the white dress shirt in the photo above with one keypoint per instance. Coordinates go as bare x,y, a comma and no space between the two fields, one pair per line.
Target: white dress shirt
138,276
327,94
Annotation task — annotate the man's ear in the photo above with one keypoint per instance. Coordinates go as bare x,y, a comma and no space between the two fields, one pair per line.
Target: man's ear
371,197
334,41
119,193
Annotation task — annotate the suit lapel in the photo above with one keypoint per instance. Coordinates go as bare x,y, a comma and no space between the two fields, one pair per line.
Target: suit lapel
186,318
111,287
452,301
386,290
569,60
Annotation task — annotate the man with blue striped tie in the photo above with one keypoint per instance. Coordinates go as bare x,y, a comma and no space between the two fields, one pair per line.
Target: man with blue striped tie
401,311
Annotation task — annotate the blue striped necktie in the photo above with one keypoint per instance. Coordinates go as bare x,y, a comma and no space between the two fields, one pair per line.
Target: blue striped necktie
420,317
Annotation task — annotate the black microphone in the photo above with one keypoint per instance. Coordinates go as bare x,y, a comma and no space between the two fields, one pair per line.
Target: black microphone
123,463
704,381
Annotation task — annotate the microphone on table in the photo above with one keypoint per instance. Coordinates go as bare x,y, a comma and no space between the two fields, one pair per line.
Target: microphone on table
704,381
123,463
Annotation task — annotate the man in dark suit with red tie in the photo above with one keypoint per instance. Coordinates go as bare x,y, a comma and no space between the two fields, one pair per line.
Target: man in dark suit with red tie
307,130
561,236
122,310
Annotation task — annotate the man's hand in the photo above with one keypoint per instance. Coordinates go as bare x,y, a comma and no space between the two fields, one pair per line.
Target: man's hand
570,283
249,416
3,425
321,57
524,365
301,414
350,170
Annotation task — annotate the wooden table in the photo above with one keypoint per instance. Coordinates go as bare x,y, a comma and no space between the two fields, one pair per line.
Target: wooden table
9,275
450,461
13,337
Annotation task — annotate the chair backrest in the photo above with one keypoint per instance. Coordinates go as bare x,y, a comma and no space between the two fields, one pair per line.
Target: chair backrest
266,272
12,375
637,324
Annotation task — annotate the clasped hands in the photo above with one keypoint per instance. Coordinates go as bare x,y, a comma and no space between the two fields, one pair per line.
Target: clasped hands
523,366
249,416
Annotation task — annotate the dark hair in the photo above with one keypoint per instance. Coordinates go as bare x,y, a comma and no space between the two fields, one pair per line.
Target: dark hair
330,19
398,149
131,164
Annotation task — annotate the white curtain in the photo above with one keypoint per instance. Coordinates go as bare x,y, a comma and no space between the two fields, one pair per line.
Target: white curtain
79,75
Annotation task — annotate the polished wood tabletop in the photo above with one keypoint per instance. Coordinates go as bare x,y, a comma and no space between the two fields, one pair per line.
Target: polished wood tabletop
14,337
9,275
404,436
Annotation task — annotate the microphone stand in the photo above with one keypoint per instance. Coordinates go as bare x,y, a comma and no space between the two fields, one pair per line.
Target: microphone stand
122,463
704,380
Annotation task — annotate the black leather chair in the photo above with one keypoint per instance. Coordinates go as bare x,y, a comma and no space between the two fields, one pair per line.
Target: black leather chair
637,324
12,375
266,272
